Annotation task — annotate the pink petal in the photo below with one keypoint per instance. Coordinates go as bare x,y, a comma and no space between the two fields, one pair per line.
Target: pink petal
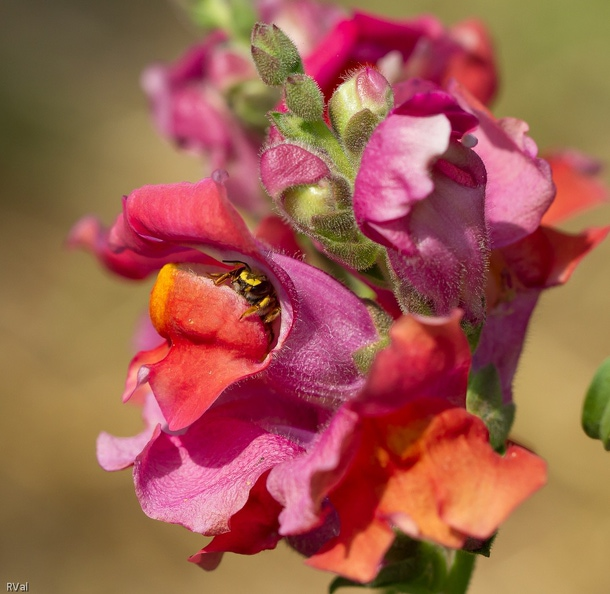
200,479
189,214
117,453
404,148
519,185
316,361
286,165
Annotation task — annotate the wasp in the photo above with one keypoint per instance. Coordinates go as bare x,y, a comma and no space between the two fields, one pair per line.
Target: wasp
254,287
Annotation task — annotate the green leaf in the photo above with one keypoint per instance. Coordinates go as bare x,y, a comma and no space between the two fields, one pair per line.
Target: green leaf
596,408
484,399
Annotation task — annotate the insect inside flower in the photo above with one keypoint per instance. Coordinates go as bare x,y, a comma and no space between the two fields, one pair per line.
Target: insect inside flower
254,286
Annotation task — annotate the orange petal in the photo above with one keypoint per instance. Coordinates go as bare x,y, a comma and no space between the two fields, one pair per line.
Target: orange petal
211,345
578,185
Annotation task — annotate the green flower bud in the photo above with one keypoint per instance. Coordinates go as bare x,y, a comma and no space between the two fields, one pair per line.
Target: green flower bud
303,97
357,107
274,54
304,203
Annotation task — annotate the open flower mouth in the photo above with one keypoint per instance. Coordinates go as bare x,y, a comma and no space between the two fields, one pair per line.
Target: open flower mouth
214,339
256,288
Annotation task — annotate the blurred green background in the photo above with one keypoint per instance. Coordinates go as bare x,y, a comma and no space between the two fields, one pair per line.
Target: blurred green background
75,136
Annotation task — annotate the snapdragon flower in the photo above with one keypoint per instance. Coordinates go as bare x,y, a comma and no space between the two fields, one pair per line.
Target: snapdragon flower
279,404
209,338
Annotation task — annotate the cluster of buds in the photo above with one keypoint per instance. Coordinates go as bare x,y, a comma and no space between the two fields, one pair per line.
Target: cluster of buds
340,377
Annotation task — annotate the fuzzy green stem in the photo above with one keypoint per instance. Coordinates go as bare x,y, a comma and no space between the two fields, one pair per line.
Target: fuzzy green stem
460,573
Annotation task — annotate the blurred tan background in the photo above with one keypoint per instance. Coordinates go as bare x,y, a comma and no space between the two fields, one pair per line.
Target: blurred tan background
75,136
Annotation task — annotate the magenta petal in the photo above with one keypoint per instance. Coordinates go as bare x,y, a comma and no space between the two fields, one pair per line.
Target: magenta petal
189,214
117,453
421,98
503,337
287,165
378,36
394,174
316,361
165,224
327,61
201,478
519,185
301,485
190,107
423,198
112,252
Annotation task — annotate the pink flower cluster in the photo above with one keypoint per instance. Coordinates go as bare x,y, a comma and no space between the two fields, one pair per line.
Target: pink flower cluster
318,379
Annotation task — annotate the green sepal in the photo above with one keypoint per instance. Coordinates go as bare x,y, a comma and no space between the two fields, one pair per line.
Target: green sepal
339,225
596,407
484,549
411,567
484,399
358,131
343,241
473,334
353,253
274,54
304,97
321,206
364,356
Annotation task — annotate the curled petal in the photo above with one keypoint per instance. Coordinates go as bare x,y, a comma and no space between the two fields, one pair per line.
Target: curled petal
117,453
428,208
316,361
404,147
166,224
301,485
430,471
188,214
579,187
476,489
519,185
137,374
421,98
427,357
518,274
254,528
91,235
